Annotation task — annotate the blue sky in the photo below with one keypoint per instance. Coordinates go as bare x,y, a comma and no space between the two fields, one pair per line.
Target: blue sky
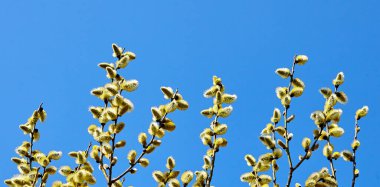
50,49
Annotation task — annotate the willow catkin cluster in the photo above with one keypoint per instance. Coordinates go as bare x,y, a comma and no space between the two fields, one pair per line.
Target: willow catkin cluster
327,123
211,136
116,106
169,177
351,156
82,175
268,134
320,179
30,175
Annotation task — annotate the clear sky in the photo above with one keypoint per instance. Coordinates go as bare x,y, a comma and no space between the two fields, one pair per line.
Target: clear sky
49,51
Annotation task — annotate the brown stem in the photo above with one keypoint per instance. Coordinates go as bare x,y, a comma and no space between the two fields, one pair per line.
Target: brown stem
354,176
112,153
134,163
36,178
30,157
304,156
209,178
287,150
86,154
333,170
144,151
273,169
43,173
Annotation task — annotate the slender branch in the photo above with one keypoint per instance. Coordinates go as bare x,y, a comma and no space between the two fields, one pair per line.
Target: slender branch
209,178
87,150
129,169
286,129
167,179
137,161
333,170
273,169
312,146
43,173
36,177
30,157
112,153
354,176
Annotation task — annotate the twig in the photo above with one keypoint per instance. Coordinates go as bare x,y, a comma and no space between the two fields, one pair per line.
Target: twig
144,151
30,157
87,150
333,170
273,169
286,129
209,178
36,178
43,173
354,176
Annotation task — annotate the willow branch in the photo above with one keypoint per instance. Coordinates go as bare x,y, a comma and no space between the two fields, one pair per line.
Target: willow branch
312,146
287,150
30,157
333,170
112,153
43,173
354,175
273,169
36,177
129,169
136,162
86,154
209,178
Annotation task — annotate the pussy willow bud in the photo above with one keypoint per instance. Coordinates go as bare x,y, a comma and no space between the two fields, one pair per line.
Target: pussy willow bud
170,163
220,129
283,72
167,91
277,153
347,155
157,115
117,51
186,177
158,176
247,177
339,79
120,144
229,98
326,92
225,112
281,92
328,151
301,59
144,162
251,161
306,143
132,156
362,112
355,144
296,92
296,82
111,73
142,139
130,85
341,97
182,104
285,101
276,115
